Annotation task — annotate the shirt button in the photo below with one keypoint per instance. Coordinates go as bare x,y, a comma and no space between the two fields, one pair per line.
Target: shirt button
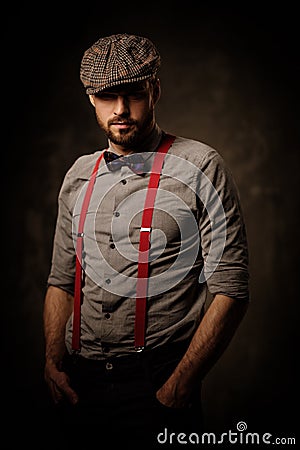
123,181
116,214
107,316
108,281
108,366
112,245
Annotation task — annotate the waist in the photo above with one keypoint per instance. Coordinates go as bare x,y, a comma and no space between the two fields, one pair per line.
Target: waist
134,362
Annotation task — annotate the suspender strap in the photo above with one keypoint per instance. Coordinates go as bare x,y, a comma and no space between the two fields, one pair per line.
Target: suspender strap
78,269
144,246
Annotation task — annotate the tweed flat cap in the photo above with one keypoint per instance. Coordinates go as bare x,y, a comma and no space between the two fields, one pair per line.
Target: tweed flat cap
118,59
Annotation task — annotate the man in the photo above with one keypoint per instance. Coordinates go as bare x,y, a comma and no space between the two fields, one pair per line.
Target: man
146,229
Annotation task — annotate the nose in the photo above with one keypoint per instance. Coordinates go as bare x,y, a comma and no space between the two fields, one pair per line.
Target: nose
121,106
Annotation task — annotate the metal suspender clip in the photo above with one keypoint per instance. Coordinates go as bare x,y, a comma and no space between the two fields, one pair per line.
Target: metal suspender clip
145,229
139,349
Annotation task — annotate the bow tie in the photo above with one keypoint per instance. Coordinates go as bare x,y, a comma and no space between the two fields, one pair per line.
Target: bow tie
114,162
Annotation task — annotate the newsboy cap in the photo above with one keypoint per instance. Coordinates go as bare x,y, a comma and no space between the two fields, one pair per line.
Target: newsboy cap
118,59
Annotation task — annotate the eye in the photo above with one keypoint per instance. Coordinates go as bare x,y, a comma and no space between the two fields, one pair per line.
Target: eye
131,96
106,96
136,95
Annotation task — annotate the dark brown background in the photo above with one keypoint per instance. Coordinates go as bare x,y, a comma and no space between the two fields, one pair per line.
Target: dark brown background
229,78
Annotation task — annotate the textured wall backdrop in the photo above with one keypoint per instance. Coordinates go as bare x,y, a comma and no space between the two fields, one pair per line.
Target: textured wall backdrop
229,78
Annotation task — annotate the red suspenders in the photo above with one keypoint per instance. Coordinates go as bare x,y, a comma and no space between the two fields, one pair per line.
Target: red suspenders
78,269
144,246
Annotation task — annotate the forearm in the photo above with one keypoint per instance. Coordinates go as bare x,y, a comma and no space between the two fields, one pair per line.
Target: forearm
58,307
213,335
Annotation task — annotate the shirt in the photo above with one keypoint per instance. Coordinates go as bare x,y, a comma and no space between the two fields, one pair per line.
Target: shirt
198,245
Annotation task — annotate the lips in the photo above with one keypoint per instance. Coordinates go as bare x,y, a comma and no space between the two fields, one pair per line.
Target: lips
121,121
121,125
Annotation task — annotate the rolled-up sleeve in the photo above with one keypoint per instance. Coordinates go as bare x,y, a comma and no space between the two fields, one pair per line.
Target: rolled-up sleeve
222,230
62,272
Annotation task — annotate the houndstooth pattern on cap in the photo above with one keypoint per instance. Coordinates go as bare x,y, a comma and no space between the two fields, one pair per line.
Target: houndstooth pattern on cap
118,59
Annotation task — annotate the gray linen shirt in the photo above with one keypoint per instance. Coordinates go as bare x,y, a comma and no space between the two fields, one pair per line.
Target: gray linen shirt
198,245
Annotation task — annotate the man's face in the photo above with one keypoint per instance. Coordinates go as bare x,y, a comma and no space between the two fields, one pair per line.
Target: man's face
126,112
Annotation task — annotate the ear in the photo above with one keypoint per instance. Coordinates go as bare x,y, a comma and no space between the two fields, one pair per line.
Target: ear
156,91
92,99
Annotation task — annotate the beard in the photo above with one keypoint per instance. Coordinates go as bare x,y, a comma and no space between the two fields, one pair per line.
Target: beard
131,137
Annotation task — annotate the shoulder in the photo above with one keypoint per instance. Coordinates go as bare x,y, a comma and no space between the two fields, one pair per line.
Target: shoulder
83,166
194,151
199,154
202,160
79,173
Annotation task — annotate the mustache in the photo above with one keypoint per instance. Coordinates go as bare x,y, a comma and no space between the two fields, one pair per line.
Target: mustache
118,120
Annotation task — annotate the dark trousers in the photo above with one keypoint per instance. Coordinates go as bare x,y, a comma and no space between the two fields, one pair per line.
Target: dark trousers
117,403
